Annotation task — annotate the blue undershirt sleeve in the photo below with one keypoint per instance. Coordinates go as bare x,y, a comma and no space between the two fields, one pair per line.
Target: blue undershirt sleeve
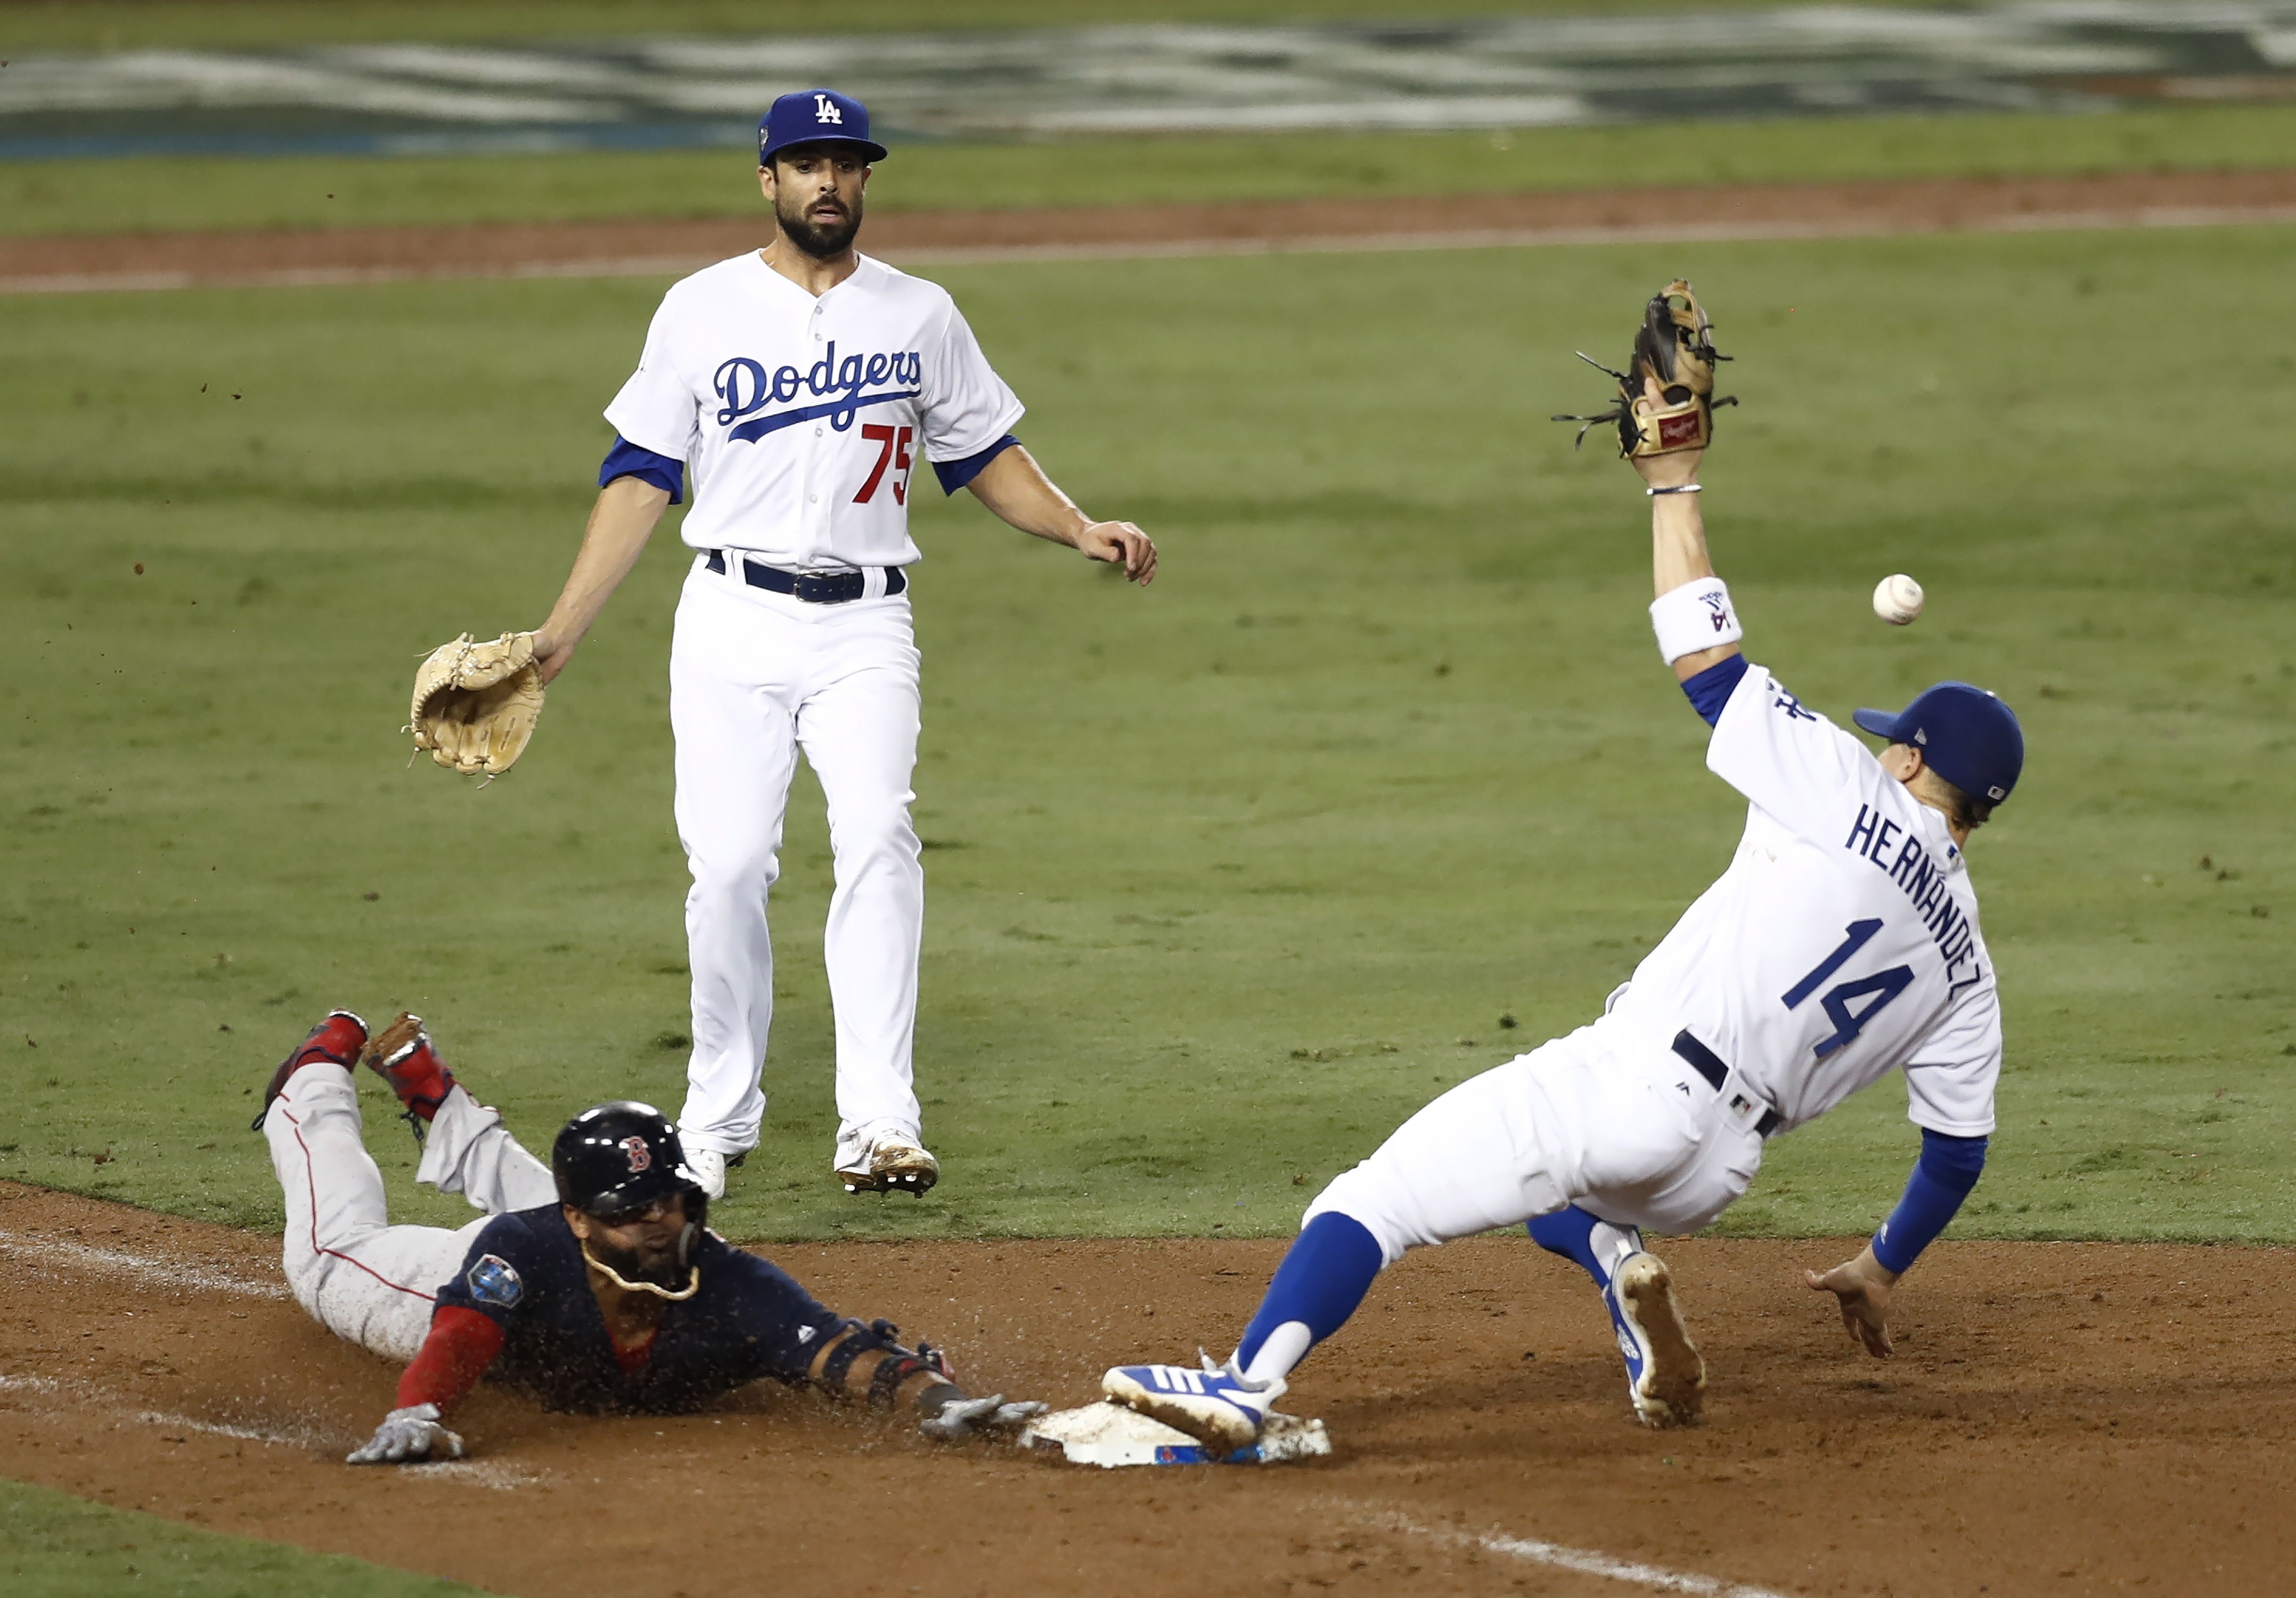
1947,1170
954,474
626,459
1711,688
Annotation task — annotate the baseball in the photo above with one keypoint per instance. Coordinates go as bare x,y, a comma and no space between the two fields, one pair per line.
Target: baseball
1898,600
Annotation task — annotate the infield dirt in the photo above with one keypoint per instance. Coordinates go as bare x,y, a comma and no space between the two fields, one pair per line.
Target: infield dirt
66,263
2059,1418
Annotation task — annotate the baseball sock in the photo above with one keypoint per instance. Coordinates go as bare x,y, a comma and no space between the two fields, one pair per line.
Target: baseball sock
1324,1276
1596,1244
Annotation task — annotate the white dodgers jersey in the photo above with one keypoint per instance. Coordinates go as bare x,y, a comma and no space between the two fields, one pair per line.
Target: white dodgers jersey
1841,943
802,419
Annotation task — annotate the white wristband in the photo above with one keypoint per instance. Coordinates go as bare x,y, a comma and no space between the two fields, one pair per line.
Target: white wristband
1694,617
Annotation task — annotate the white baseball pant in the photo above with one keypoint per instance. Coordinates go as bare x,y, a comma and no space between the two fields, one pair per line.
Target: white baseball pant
360,1277
755,677
1626,1131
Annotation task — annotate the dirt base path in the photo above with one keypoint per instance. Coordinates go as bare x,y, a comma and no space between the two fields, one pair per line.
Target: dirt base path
2062,1418
354,255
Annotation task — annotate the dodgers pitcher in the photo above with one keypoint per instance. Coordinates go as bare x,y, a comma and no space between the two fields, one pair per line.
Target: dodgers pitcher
801,383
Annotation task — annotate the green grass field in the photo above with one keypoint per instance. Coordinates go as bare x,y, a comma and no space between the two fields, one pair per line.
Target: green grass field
60,1546
171,192
1228,877
1225,877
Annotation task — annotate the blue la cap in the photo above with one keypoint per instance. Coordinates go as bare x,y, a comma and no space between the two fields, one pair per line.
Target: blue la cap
1966,735
813,117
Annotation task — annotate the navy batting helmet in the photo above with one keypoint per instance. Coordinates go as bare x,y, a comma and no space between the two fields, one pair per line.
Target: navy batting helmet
615,1159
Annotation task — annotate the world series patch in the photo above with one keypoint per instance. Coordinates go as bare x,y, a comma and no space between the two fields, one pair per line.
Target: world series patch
494,1280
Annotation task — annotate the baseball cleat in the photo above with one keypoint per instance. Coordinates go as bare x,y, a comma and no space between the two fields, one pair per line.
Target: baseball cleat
891,1162
1217,1407
338,1039
708,1169
1665,1377
403,1055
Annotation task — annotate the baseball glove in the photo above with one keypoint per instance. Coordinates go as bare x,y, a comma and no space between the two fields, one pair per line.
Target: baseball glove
1676,350
475,704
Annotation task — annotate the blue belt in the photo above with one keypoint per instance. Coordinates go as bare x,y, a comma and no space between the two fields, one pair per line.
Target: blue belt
813,588
1708,1064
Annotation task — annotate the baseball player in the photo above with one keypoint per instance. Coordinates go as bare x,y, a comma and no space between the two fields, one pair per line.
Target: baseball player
802,383
1841,943
591,1283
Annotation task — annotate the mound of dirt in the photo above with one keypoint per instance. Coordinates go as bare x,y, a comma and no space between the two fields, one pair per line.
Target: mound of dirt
2060,1418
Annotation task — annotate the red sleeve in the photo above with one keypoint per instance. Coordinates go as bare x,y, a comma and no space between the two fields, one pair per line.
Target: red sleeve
463,1343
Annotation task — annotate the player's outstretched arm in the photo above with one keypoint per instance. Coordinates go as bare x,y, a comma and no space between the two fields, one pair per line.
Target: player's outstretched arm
1015,487
1678,553
621,523
864,1362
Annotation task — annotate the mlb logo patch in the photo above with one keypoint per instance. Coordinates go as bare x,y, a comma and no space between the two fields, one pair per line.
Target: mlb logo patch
494,1280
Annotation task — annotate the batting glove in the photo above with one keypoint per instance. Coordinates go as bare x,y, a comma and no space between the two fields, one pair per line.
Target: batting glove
976,1417
409,1437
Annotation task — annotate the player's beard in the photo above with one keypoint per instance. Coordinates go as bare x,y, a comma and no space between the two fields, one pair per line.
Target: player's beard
823,240
661,1267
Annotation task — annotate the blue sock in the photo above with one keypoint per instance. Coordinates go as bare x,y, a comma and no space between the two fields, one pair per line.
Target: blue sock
1324,1276
1569,1233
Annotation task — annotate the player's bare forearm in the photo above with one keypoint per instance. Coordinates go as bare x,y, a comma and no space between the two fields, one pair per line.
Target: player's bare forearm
1016,488
1678,552
621,523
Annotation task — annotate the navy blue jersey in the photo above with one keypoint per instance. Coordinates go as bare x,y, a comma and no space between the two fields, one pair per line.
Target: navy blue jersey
750,1319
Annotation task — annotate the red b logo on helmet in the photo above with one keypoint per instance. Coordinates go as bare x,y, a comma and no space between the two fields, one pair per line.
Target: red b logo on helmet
640,1157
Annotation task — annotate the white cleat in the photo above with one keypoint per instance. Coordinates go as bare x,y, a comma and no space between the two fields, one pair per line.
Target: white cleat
1217,1406
1665,1377
708,1169
891,1162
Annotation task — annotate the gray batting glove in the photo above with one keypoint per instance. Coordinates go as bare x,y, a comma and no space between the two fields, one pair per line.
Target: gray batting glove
976,1417
409,1437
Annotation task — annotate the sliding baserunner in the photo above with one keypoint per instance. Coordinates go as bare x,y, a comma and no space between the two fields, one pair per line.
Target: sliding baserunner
1840,944
592,1284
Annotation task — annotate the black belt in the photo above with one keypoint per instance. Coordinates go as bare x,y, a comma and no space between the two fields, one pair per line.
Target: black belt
813,588
1708,1064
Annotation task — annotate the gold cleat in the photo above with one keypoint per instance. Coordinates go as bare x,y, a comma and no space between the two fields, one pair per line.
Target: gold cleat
891,1163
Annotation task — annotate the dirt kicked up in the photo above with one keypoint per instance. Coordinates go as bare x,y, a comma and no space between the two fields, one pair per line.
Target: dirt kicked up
2059,1418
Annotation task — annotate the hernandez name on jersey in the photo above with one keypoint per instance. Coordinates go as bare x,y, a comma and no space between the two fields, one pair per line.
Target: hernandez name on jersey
802,417
1841,943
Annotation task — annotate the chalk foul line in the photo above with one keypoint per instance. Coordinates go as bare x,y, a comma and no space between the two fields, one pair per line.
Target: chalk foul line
142,1266
1558,1556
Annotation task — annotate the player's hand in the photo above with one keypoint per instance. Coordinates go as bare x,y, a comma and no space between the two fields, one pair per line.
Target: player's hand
409,1437
1120,543
1864,1285
550,656
1660,471
961,1418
